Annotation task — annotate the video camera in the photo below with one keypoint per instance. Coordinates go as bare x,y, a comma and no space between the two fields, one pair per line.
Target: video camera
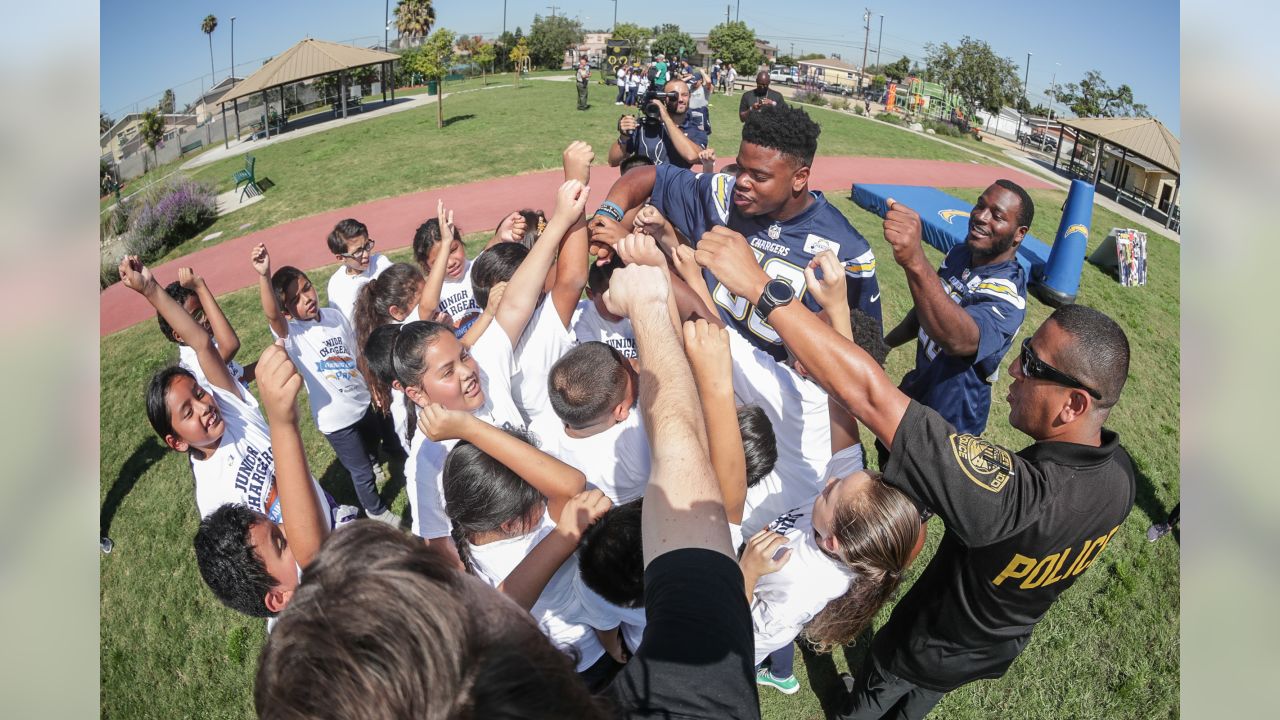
651,114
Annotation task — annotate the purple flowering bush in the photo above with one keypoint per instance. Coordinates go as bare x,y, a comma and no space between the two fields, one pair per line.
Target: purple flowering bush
167,215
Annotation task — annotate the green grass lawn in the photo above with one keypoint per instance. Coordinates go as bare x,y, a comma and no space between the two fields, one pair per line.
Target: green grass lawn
1108,649
489,133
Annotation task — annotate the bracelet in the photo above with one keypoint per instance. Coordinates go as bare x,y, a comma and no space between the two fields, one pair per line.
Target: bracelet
610,209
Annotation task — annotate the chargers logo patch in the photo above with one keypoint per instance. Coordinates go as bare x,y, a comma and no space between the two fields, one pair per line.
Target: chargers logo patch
949,215
988,465
721,194
1077,229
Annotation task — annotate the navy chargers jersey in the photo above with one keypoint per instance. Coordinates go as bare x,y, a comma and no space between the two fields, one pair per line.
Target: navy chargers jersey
995,296
696,202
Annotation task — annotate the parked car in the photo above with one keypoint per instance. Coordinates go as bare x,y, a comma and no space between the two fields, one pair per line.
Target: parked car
779,74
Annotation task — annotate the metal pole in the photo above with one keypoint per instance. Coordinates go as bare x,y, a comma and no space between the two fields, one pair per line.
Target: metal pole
880,41
225,143
233,53
1025,77
727,8
737,15
386,30
615,16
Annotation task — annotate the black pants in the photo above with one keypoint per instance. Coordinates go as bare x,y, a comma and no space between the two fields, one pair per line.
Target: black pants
582,96
878,693
357,447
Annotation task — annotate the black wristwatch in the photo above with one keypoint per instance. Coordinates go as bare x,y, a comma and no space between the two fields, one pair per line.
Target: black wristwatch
776,294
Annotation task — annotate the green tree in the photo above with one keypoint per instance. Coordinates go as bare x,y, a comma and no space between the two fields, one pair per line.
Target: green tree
484,55
167,102
633,35
207,26
898,70
735,43
983,79
105,122
151,130
519,56
549,37
433,61
1093,97
414,19
811,56
671,41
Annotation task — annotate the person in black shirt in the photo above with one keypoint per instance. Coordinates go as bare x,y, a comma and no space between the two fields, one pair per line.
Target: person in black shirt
1020,526
760,97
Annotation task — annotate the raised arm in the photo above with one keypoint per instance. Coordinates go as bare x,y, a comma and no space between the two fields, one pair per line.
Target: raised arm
223,334
630,191
429,300
683,507
137,277
306,521
571,262
266,294
841,367
831,292
551,477
527,581
943,320
707,347
525,287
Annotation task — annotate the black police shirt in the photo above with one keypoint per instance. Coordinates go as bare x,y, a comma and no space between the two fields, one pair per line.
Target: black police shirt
1020,528
752,96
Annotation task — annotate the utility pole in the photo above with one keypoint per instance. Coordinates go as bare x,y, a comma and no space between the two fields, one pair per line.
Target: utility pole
615,16
727,8
866,36
737,15
553,9
1053,87
881,40
1026,76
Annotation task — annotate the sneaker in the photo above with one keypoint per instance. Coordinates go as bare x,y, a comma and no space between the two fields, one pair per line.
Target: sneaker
617,103
386,517
379,475
1157,531
107,545
788,685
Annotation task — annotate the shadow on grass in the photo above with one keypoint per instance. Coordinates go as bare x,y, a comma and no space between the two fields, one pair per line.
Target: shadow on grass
457,119
337,482
824,676
1147,497
148,453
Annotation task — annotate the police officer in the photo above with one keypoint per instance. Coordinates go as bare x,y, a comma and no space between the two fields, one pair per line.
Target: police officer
1020,527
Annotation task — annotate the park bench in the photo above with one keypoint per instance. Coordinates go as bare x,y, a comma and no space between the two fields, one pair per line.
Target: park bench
353,105
191,146
246,176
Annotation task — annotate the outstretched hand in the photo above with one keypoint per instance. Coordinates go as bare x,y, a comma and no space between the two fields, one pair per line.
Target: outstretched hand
605,232
571,200
512,228
640,249
707,347
134,274
903,232
278,384
188,278
446,222
581,511
758,558
728,256
831,289
261,260
634,287
577,161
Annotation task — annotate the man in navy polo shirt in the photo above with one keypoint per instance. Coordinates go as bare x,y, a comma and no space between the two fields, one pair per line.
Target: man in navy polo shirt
769,202
677,138
965,323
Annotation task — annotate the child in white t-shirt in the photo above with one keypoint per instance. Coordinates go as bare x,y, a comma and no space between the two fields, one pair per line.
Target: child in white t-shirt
593,391
321,343
191,292
610,581
435,369
231,448
501,493
592,321
351,245
457,299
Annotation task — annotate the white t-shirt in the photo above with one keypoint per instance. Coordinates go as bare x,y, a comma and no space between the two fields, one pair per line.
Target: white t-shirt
604,615
545,340
643,86
343,288
424,470
788,599
615,461
559,600
771,497
187,360
242,470
324,352
456,297
796,407
589,325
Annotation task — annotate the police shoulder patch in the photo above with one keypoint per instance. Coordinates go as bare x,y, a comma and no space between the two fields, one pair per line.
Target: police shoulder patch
987,464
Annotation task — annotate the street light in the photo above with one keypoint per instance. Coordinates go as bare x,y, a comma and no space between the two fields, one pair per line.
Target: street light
615,16
1025,77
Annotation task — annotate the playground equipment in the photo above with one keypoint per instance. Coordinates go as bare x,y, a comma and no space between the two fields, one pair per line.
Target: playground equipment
1059,280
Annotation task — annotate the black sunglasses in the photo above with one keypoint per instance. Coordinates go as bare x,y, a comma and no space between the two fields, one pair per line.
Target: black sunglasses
1034,367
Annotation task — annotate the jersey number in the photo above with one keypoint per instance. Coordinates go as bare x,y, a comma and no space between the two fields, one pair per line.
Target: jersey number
740,309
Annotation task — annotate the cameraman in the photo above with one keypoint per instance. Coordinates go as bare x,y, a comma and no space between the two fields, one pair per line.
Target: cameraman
668,133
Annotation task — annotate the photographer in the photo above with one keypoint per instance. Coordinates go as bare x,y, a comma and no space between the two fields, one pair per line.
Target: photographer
669,132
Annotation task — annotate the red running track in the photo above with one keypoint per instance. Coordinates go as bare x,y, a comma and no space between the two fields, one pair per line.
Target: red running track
480,206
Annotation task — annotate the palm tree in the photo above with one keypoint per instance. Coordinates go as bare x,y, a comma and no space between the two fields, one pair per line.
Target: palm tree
414,19
152,132
207,27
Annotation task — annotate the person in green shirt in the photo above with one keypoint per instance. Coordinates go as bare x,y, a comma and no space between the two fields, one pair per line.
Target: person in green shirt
660,67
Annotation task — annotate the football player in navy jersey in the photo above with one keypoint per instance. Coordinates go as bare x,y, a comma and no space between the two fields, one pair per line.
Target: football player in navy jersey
965,323
769,202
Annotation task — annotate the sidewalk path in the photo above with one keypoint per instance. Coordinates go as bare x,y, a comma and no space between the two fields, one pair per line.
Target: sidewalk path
481,206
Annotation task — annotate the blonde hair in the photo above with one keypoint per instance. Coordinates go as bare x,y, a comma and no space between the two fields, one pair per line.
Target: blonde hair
875,532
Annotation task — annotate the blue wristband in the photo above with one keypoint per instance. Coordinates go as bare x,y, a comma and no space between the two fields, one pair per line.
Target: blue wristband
611,209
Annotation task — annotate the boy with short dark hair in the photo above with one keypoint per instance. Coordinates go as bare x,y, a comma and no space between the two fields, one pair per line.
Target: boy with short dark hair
190,291
351,245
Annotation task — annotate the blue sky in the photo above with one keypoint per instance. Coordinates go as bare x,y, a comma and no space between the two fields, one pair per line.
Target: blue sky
148,46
